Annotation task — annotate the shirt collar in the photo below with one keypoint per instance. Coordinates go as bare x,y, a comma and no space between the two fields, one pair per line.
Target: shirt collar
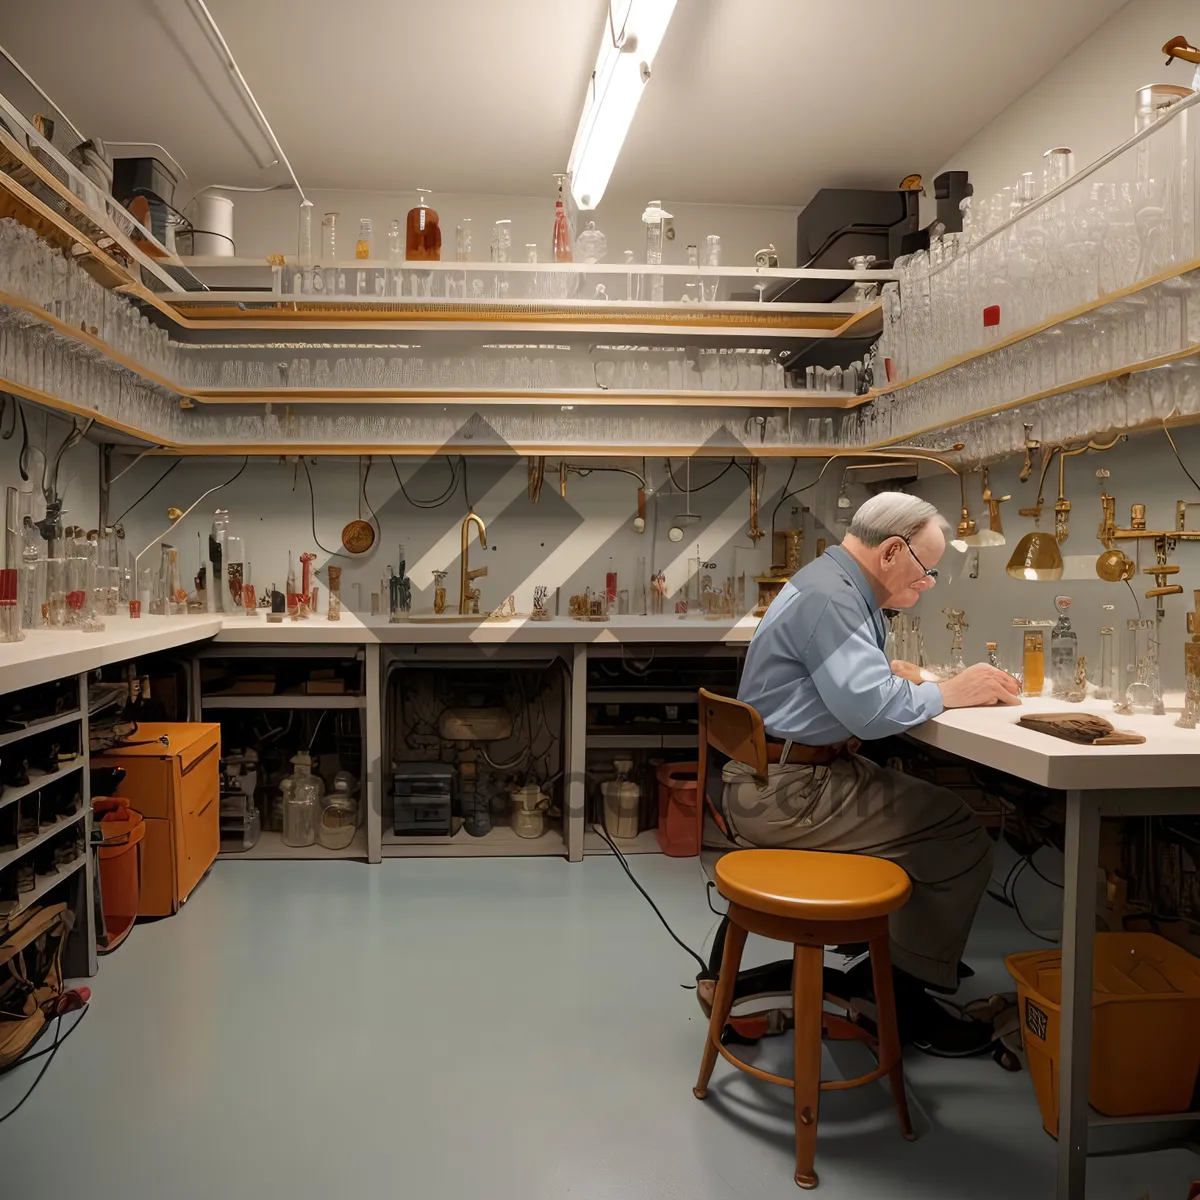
854,573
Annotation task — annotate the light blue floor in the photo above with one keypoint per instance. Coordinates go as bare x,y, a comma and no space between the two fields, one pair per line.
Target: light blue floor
478,1028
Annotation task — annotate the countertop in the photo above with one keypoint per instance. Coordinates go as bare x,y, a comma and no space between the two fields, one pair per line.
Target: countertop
1170,756
47,654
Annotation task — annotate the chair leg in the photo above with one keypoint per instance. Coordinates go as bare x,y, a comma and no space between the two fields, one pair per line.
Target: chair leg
807,997
731,960
889,1035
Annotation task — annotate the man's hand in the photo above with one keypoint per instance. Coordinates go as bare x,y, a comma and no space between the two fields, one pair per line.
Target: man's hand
980,684
906,670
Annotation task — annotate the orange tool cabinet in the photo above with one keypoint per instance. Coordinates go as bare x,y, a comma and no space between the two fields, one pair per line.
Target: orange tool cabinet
176,788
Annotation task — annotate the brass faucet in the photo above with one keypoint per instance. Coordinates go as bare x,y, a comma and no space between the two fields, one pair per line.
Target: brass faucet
469,596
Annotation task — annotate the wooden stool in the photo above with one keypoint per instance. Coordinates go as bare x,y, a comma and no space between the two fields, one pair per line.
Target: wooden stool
812,900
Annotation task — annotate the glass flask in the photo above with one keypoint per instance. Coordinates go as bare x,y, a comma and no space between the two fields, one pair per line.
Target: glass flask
630,277
302,803
462,241
173,595
392,285
335,594
531,252
1139,685
91,620
712,250
304,246
77,589
362,248
562,230
1064,650
591,244
423,241
1106,676
216,556
655,219
502,241
329,238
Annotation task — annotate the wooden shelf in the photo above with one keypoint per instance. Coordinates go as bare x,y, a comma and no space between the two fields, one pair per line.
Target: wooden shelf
8,857
501,842
37,781
6,739
1030,331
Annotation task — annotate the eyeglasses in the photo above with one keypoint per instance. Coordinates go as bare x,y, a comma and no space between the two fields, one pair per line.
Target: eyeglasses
931,572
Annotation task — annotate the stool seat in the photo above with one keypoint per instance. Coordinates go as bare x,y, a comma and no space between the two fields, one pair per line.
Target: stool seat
812,885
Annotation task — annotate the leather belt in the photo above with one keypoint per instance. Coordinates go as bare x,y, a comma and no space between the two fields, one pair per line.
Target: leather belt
789,753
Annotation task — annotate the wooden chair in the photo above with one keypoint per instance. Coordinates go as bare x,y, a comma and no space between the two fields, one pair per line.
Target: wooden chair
811,900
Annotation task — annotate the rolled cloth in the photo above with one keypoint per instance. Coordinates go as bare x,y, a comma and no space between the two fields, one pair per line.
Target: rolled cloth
1085,728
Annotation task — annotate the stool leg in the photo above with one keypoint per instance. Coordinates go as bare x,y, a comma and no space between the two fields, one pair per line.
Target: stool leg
889,1036
807,997
731,960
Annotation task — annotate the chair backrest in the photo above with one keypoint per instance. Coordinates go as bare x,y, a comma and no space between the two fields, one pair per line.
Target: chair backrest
736,730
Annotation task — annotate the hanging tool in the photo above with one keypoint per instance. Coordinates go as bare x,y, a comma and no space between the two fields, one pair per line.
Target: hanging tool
754,532
359,536
537,474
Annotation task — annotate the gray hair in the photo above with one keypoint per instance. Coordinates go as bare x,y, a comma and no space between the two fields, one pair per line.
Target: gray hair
891,514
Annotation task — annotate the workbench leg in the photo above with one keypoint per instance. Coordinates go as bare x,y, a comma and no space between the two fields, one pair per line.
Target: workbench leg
1078,952
373,784
575,792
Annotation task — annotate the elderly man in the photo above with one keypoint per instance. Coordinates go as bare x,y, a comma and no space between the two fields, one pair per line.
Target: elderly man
817,674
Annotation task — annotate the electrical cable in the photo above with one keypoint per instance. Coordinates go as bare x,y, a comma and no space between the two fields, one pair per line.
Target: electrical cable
49,1054
366,501
646,895
689,490
462,458
1136,602
312,508
788,495
442,499
1178,459
147,491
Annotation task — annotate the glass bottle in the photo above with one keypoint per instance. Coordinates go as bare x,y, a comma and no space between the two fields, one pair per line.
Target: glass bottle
302,803
362,248
234,570
91,621
1064,650
424,234
439,591
1033,663
395,258
335,594
562,230
591,244
174,596
712,250
462,241
329,252
1106,678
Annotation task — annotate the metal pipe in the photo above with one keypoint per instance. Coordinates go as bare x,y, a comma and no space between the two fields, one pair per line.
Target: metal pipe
464,598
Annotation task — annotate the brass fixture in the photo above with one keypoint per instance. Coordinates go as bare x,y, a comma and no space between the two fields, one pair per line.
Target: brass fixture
1036,556
1030,445
993,502
1179,47
1191,668
537,472
1164,540
468,596
1062,506
1115,566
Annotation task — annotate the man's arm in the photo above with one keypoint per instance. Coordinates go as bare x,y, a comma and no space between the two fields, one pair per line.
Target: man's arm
855,681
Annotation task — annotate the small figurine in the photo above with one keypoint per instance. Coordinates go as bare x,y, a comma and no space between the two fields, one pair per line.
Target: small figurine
956,622
439,591
505,612
540,612
658,593
1078,689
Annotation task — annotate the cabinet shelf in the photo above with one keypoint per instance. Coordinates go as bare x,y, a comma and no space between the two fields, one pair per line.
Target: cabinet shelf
270,846
285,702
37,781
501,842
6,739
46,883
10,856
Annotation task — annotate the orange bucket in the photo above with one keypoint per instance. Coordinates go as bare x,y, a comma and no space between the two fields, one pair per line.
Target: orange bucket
120,866
1145,1025
677,800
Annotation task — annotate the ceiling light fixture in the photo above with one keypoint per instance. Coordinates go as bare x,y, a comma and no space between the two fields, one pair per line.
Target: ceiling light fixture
621,73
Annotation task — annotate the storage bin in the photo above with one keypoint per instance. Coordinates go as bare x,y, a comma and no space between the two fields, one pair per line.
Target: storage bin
677,799
1145,1025
120,866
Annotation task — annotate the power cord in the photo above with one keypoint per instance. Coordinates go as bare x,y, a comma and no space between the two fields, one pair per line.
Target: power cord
48,1054
147,492
599,828
451,488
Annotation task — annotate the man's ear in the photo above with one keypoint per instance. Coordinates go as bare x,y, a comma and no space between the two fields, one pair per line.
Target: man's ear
891,550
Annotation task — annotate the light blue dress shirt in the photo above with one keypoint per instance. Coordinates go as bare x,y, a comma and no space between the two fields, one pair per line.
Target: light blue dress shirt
816,671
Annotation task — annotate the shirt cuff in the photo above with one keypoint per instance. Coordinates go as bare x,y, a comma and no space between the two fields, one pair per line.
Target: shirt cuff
929,699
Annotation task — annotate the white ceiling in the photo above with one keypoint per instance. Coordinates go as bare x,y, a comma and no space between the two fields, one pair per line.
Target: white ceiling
752,101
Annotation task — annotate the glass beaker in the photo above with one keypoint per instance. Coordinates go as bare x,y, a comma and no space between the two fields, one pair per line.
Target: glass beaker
304,239
655,219
172,595
424,235
234,569
1106,678
76,589
10,611
91,620
502,241
462,241
712,251
329,238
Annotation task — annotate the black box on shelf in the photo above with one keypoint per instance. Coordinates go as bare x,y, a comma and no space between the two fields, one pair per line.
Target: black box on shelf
422,799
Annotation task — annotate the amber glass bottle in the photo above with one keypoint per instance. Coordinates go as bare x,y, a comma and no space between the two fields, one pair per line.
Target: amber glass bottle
423,241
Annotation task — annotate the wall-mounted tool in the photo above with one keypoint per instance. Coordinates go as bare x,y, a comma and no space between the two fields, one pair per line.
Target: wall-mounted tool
537,474
993,503
1030,446
754,531
1164,541
468,596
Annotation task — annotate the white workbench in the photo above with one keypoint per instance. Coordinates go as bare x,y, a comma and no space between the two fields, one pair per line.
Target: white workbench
1159,777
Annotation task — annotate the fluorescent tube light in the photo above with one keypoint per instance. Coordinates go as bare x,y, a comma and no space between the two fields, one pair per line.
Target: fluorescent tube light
621,73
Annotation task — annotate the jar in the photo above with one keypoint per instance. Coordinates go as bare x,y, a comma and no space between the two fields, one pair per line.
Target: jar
339,817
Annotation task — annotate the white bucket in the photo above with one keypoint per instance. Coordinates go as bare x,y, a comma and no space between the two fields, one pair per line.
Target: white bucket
212,218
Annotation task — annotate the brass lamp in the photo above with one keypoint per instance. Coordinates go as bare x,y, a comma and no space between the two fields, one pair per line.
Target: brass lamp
1036,556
